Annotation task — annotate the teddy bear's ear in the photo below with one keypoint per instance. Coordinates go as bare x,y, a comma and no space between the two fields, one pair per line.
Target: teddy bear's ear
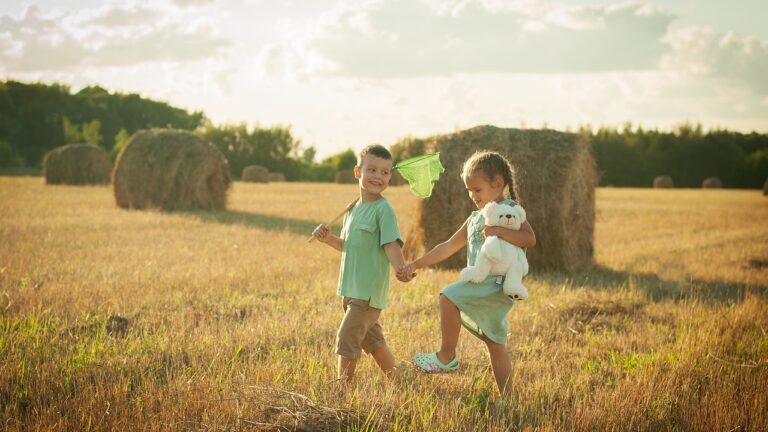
520,211
488,210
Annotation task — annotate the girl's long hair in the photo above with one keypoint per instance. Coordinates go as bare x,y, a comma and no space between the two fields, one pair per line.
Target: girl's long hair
491,164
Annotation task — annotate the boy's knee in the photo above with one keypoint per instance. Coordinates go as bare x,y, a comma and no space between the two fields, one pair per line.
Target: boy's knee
359,330
347,344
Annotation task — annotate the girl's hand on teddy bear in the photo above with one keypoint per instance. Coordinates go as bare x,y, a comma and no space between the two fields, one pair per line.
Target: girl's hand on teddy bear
491,231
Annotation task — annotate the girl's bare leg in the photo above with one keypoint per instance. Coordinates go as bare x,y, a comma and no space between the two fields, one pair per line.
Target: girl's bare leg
450,326
502,367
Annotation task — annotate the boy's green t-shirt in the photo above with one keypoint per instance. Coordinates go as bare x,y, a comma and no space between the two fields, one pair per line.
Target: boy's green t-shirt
364,273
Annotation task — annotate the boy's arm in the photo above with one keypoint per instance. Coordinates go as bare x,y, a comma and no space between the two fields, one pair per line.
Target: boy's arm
323,234
395,254
524,238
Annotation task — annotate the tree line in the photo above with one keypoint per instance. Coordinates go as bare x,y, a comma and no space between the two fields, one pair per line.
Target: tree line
632,157
37,117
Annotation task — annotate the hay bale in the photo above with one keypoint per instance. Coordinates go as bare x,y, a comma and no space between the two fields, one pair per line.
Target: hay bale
170,169
346,176
663,182
712,183
765,188
255,174
396,179
276,177
555,181
77,164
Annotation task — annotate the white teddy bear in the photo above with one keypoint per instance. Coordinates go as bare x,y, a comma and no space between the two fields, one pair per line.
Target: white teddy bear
497,257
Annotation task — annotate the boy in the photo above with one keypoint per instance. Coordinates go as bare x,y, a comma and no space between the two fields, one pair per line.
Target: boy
370,240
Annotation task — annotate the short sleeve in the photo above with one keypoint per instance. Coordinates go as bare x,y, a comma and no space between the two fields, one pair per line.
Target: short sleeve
344,226
388,228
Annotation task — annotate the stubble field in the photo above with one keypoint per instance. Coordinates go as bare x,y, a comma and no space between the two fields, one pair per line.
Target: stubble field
143,320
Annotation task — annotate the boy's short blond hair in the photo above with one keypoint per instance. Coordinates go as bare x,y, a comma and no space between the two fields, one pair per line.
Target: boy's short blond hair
377,150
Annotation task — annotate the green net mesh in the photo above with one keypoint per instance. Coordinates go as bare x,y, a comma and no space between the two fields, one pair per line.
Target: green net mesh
421,173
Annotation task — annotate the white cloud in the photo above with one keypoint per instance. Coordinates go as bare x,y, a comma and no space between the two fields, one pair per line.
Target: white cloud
111,17
70,41
188,3
408,38
704,52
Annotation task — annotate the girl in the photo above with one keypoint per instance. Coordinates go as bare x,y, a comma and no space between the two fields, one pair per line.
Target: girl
481,307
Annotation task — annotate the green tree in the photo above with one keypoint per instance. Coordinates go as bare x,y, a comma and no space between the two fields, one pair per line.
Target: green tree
6,155
121,139
32,117
72,133
344,160
91,133
308,156
273,148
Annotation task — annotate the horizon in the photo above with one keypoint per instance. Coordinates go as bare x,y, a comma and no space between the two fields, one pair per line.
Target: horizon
439,66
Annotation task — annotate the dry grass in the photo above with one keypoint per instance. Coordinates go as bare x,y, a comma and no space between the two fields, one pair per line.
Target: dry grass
145,320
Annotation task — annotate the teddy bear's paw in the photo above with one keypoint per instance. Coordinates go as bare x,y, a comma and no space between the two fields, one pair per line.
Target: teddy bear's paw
472,275
516,293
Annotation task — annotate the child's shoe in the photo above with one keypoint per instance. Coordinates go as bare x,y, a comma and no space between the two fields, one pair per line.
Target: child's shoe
429,363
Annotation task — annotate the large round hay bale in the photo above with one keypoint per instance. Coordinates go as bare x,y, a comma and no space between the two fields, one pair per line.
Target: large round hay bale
346,176
170,169
396,179
255,174
663,182
712,183
765,187
555,180
276,177
77,164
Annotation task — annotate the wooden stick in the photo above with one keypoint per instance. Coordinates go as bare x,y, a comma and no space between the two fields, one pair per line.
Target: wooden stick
346,209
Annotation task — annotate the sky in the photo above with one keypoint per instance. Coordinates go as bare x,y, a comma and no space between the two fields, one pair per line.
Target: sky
348,73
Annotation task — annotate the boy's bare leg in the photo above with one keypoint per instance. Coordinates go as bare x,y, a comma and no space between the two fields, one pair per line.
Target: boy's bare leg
502,367
385,360
450,326
346,369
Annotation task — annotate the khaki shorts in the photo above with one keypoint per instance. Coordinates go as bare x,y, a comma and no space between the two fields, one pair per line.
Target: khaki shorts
359,329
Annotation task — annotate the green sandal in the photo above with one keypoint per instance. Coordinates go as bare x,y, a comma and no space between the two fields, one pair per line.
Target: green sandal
429,363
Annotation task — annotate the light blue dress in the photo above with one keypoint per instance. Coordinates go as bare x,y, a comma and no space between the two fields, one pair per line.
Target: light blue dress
483,305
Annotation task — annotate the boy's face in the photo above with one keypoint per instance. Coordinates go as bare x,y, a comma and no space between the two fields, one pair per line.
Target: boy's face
374,173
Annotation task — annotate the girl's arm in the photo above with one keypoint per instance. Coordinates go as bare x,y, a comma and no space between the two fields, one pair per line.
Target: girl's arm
524,238
442,251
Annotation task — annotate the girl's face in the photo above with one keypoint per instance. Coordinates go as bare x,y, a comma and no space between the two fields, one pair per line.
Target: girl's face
482,190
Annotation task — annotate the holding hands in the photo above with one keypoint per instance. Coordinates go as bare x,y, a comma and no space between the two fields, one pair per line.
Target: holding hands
406,272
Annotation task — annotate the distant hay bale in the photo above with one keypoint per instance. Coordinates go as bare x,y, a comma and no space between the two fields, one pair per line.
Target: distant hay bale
170,169
346,176
712,183
663,182
255,174
555,180
765,187
276,177
77,164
